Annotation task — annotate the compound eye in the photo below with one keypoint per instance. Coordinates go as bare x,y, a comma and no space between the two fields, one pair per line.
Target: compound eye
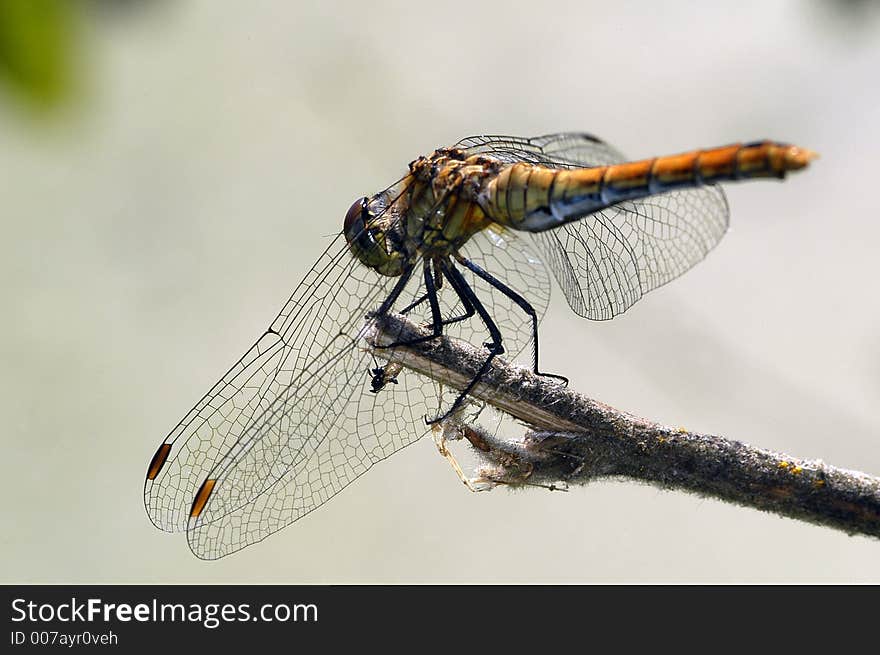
354,220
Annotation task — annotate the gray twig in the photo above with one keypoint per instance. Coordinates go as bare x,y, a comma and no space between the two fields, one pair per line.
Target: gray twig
574,439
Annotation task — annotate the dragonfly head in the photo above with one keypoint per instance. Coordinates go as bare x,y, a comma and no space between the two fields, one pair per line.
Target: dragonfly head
368,240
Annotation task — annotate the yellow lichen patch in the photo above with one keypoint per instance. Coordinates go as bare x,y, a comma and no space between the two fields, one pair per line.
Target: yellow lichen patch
784,465
796,470
818,483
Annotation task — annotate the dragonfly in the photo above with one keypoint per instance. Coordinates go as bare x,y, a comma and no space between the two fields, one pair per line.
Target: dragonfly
466,242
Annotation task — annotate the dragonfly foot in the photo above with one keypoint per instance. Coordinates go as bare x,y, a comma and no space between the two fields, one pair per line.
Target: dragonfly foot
440,418
437,419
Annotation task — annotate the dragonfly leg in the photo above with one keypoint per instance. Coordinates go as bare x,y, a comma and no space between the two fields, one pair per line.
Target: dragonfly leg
436,317
495,347
385,307
415,303
469,309
521,302
438,282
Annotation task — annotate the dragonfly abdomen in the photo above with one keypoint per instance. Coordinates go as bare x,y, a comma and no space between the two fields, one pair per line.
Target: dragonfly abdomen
536,198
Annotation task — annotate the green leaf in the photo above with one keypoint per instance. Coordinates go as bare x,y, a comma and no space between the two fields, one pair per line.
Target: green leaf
35,50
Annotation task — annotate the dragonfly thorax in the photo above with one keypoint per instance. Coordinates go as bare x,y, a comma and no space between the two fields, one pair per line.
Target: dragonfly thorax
430,213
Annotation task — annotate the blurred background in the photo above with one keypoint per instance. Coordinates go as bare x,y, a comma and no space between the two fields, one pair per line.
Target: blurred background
169,171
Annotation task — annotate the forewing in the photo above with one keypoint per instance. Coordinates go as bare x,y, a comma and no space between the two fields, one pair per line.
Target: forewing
318,323
607,260
316,438
349,430
276,475
562,150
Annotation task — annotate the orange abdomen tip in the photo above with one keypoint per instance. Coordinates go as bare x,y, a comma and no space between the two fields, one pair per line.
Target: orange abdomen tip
797,158
202,496
158,461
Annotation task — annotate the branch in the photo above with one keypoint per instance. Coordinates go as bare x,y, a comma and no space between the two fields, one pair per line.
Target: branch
574,440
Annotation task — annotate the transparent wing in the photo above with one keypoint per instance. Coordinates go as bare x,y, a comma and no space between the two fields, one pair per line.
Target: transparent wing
607,260
563,150
291,384
329,428
516,263
293,421
315,440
